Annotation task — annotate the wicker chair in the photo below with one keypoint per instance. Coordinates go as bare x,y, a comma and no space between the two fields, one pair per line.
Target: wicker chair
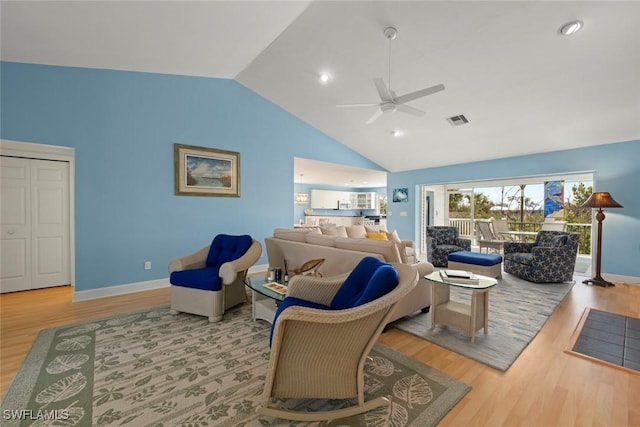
319,351
211,280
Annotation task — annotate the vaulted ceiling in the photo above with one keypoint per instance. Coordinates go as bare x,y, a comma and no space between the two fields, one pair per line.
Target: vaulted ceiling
523,87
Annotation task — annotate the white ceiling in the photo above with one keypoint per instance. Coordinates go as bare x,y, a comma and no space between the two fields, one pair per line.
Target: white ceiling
524,88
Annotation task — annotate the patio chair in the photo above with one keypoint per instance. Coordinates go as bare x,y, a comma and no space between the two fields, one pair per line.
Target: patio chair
501,225
322,335
550,224
486,236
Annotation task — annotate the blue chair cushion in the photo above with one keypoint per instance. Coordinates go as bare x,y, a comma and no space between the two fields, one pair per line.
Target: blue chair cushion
291,302
225,248
206,279
370,279
475,258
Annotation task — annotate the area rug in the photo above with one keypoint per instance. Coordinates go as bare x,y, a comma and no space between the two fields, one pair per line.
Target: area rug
608,338
154,369
517,311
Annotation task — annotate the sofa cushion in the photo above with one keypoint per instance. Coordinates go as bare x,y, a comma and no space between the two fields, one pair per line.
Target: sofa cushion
377,236
334,231
293,234
383,247
356,231
321,239
520,258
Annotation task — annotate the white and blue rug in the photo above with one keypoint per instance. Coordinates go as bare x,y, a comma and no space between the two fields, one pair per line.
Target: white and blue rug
517,311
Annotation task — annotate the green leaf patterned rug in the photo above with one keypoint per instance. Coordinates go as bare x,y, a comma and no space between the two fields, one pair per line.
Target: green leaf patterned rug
155,369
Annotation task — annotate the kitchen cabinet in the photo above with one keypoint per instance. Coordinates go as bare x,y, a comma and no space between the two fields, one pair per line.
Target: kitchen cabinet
334,219
364,200
328,199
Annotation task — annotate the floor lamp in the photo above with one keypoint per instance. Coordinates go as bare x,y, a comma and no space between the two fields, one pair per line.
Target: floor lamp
600,200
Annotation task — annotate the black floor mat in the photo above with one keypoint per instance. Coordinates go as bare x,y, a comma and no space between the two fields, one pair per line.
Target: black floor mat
612,338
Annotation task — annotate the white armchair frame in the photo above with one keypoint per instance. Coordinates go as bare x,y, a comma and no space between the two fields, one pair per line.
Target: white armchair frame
320,354
213,303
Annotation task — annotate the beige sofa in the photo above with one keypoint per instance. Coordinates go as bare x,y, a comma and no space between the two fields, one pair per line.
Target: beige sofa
341,255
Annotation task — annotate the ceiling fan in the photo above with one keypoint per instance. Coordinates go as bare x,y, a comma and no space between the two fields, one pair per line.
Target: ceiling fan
389,102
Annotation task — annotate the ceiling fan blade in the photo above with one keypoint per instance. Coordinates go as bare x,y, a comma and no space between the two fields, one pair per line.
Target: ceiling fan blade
357,105
375,116
409,110
383,89
419,94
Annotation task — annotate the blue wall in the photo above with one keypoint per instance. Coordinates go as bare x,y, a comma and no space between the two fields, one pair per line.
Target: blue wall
616,169
123,126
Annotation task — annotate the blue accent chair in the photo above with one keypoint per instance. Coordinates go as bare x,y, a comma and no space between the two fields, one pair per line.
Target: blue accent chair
211,280
550,259
322,334
441,241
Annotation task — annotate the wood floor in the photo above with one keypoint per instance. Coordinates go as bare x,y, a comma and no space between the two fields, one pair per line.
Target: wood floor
544,387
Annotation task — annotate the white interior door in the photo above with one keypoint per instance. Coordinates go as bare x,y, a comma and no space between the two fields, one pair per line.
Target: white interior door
35,224
15,219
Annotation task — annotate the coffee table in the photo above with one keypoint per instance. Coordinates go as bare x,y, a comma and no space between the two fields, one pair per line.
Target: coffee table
470,318
264,302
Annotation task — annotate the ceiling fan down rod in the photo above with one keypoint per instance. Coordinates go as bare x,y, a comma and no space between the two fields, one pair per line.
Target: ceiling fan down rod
390,33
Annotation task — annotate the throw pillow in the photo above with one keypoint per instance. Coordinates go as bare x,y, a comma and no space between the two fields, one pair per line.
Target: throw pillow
393,236
559,241
334,231
356,231
374,228
551,240
377,236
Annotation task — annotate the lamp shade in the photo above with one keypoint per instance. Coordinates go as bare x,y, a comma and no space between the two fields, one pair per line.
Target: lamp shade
601,199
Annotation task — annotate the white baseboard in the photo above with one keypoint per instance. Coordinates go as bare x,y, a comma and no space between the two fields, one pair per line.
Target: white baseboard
261,268
111,291
130,288
617,278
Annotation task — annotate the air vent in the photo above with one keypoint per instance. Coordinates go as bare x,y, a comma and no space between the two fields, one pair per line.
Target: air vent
458,120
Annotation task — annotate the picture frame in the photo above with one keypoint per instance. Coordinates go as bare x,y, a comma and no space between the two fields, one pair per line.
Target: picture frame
400,195
203,171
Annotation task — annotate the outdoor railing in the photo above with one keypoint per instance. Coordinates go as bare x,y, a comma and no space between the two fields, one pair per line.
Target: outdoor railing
466,228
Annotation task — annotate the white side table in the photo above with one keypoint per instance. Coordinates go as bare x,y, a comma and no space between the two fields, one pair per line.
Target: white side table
469,318
264,302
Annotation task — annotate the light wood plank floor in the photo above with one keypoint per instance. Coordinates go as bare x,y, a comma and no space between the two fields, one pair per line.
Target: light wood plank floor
544,387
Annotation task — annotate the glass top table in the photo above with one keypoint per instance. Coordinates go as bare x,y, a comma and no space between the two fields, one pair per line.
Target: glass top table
484,282
256,284
264,301
469,317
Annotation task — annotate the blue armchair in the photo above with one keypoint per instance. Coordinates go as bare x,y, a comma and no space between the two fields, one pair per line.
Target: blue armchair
441,241
211,280
550,259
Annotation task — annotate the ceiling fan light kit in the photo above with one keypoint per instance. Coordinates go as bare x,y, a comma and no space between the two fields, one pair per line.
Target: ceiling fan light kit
389,102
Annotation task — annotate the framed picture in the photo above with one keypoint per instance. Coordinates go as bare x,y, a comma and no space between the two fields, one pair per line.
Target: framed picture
400,195
202,171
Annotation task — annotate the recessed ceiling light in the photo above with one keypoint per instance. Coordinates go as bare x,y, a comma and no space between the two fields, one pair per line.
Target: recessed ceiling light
571,28
325,77
396,133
